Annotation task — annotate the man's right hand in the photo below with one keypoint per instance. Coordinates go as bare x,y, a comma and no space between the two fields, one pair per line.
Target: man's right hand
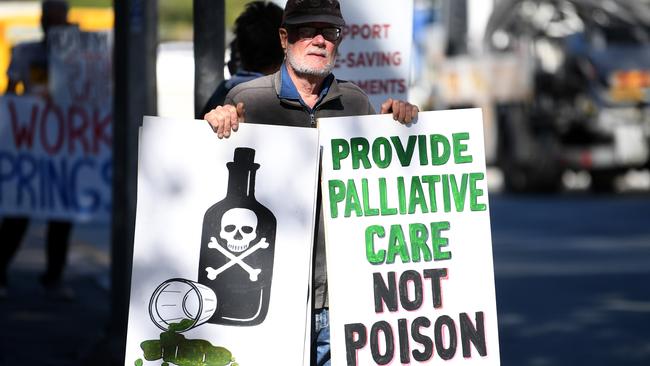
225,118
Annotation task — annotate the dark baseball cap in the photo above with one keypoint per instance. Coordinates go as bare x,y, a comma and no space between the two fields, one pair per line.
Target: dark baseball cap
313,11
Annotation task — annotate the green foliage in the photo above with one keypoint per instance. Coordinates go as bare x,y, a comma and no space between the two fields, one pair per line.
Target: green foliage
233,9
91,3
175,17
173,11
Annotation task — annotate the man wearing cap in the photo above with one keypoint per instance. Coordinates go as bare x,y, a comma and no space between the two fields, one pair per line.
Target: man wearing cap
302,90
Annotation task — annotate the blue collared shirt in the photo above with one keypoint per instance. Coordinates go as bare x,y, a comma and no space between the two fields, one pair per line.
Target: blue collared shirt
289,91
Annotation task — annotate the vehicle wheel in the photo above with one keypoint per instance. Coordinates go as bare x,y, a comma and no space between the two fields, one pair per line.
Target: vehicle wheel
529,161
603,181
542,178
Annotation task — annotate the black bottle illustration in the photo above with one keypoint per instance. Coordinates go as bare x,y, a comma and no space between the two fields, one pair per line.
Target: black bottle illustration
237,248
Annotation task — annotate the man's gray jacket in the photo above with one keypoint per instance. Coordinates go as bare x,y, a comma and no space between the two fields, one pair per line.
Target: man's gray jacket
262,104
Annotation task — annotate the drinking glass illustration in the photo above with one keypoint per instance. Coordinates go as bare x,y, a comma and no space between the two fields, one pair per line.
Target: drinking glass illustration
178,299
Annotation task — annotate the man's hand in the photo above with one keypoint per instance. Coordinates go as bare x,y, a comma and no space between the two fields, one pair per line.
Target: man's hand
403,112
225,118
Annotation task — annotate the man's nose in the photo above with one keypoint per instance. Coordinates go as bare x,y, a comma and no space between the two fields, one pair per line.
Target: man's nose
318,39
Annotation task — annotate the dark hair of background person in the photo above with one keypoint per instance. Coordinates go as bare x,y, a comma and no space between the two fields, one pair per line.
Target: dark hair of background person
234,62
53,13
255,51
257,39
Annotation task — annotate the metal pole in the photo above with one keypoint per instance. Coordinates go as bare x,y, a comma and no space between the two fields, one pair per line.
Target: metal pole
135,95
455,18
209,49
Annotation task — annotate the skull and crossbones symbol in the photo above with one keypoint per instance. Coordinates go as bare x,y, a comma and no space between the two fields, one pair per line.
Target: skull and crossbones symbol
238,229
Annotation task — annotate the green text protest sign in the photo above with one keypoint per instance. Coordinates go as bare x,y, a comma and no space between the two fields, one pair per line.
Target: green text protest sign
409,248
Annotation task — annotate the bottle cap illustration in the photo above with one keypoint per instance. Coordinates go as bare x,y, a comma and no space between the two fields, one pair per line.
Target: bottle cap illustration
244,157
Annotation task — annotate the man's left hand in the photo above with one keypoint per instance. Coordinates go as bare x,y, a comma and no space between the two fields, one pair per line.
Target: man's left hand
403,112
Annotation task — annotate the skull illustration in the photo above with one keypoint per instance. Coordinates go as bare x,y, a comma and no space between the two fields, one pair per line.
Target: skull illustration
238,228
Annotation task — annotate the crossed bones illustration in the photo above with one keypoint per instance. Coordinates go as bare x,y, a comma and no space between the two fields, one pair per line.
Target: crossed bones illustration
253,273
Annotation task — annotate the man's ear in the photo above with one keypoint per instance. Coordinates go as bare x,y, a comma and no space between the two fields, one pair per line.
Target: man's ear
284,38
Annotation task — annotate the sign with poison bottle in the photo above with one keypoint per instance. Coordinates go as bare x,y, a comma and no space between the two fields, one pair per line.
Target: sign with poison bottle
222,248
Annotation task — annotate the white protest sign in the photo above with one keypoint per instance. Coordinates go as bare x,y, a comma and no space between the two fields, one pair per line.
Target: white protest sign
222,247
375,52
80,66
56,152
409,253
55,160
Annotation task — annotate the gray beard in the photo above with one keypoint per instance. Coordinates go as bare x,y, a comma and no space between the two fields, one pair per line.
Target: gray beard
309,71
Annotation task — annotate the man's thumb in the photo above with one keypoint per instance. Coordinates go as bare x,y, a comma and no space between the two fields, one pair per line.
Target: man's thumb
240,112
386,106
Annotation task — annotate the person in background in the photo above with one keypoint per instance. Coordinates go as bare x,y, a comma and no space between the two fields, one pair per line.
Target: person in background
28,70
254,52
303,90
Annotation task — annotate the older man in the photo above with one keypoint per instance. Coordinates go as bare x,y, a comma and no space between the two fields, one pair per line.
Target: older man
302,90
